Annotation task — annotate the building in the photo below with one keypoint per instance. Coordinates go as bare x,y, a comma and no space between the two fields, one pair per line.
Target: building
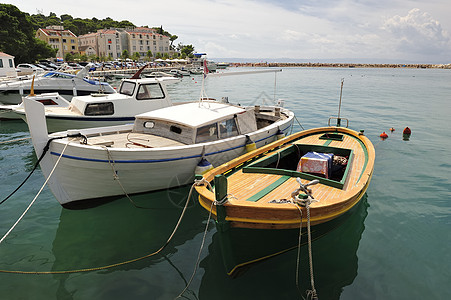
59,38
7,68
112,42
143,39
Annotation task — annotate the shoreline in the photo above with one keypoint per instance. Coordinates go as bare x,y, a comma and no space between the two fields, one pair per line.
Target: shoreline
342,65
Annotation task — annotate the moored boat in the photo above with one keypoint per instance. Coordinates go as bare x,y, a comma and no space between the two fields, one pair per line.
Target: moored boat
65,84
261,199
160,150
135,96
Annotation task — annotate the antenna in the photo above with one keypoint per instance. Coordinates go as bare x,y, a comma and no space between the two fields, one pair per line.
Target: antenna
339,106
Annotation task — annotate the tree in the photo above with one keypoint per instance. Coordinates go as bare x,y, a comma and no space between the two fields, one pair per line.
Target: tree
186,50
149,55
17,36
136,56
124,54
172,38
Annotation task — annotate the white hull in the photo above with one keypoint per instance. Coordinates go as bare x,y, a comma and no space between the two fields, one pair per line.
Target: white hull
55,124
86,172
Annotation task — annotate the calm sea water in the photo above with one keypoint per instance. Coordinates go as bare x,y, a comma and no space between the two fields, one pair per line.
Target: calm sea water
396,246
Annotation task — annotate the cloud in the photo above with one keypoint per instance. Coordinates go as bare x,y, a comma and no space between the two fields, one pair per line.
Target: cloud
418,33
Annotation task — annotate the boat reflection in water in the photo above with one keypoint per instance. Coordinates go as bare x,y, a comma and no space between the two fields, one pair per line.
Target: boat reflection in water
335,265
116,232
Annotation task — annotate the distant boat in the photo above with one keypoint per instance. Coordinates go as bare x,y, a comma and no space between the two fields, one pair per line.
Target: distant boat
222,65
162,149
135,96
259,199
63,83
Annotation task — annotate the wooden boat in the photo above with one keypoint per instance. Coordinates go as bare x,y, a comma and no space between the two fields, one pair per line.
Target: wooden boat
256,199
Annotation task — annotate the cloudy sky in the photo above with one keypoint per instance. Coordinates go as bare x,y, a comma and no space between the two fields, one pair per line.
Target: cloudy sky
337,30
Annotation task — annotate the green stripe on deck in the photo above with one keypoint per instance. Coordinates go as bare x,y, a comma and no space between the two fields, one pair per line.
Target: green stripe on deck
268,189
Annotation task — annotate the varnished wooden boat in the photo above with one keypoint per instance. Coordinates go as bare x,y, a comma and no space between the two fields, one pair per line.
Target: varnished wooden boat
253,199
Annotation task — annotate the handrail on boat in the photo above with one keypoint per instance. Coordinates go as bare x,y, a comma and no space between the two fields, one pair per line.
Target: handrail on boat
338,121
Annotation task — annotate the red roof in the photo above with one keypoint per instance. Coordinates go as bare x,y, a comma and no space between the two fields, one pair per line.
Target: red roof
6,55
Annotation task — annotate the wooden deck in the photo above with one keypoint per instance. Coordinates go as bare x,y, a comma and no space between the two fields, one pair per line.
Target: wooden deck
250,194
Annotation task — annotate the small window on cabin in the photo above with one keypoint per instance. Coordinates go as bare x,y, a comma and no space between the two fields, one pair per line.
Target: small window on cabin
150,91
10,63
127,88
175,129
99,109
207,133
228,128
1,63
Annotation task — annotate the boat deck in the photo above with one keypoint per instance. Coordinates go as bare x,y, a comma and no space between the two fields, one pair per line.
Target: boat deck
245,187
132,140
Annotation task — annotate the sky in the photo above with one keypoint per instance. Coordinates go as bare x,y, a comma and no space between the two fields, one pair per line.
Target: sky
378,31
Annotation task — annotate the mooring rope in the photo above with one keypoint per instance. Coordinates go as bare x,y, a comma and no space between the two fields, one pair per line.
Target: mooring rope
116,264
298,122
198,182
311,294
116,178
37,195
15,140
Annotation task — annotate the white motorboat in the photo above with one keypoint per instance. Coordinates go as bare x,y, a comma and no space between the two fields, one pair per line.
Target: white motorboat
65,84
8,112
163,148
135,96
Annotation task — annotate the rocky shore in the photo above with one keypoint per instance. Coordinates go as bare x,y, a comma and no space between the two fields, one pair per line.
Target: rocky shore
342,65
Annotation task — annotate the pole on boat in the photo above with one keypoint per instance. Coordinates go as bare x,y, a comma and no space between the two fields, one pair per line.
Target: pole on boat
32,88
339,106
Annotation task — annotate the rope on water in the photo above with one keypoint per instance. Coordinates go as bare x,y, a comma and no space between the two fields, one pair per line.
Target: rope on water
298,122
198,182
311,294
46,148
16,140
111,265
37,195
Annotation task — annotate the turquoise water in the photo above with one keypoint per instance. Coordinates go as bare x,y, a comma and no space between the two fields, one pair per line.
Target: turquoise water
396,246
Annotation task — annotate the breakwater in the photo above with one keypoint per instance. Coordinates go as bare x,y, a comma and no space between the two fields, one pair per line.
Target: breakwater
342,65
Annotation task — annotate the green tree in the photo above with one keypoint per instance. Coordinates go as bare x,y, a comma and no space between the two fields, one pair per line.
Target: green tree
17,36
125,54
158,55
186,50
136,56
172,38
69,57
149,55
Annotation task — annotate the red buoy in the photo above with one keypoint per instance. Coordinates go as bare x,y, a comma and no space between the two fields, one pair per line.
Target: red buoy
384,135
407,131
392,129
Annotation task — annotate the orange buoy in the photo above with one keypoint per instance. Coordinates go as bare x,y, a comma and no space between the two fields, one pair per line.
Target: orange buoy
383,135
407,131
392,129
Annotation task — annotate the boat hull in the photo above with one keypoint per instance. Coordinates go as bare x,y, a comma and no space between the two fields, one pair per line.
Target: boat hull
242,247
260,212
86,172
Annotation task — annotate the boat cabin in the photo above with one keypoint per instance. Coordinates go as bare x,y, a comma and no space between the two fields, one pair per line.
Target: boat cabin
199,122
134,97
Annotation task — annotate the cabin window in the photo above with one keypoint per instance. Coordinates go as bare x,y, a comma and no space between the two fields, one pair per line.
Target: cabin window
175,129
10,63
47,102
99,109
150,91
207,133
127,88
228,128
